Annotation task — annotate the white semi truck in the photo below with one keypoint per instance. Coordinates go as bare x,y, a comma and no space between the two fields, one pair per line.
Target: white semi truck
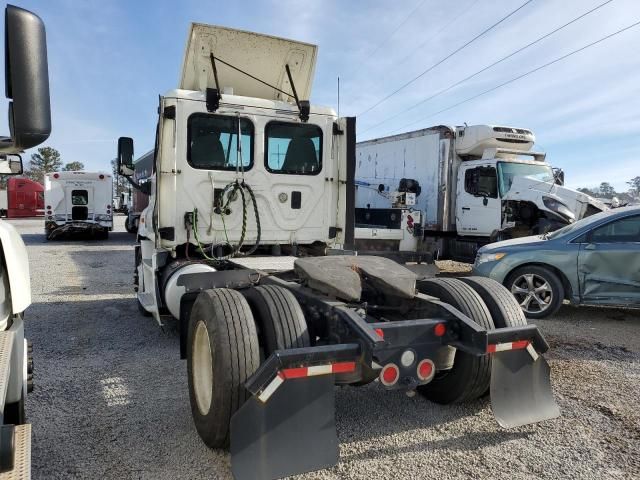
248,243
78,202
27,88
468,186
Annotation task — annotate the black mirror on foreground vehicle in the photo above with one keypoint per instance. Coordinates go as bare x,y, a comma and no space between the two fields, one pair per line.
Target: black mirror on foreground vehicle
10,165
26,81
125,156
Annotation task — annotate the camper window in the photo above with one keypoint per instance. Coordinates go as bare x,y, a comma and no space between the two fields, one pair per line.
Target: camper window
293,148
213,142
79,197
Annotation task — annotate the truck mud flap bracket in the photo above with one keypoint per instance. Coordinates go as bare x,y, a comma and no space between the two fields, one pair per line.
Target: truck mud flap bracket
288,426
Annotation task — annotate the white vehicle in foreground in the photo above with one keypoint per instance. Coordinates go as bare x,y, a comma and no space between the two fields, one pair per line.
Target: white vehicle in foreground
27,87
78,202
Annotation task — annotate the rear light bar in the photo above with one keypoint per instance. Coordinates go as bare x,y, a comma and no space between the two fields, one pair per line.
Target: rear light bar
303,372
502,347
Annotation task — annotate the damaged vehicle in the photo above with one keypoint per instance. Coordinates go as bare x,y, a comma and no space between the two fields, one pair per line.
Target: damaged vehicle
594,261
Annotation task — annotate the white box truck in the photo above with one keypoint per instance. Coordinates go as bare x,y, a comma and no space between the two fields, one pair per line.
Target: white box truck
468,186
78,202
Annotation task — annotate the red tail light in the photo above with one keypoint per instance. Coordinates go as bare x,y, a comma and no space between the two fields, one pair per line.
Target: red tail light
426,370
389,374
55,175
380,332
440,329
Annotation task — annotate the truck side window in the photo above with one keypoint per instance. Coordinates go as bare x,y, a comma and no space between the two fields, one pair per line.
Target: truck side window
293,148
625,230
481,181
212,142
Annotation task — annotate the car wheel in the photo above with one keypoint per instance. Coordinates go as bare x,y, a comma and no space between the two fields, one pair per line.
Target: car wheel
538,290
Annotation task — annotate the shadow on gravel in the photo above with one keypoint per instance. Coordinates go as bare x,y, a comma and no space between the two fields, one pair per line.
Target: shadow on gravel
115,238
463,443
110,397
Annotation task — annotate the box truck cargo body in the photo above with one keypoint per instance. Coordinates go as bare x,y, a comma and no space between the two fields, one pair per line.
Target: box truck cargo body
22,198
142,171
470,186
78,202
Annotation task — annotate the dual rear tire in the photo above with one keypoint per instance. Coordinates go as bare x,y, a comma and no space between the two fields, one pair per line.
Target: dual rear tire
229,334
490,305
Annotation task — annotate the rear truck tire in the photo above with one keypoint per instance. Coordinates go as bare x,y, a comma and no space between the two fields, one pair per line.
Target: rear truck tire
222,353
538,290
470,375
503,307
279,318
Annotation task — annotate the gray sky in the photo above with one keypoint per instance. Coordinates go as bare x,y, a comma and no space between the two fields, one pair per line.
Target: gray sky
109,60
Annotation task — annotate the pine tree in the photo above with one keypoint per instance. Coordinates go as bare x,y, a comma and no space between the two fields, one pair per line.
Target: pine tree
47,160
73,167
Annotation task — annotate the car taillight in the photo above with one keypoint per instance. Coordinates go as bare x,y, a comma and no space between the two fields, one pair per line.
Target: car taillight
55,175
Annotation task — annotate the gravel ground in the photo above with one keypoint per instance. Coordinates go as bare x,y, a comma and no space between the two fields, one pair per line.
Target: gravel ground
111,398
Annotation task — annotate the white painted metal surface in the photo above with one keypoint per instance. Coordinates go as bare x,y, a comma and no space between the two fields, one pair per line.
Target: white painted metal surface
386,161
173,292
262,56
17,263
266,264
58,194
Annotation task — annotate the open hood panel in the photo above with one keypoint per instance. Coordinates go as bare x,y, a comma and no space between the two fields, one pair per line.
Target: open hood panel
262,56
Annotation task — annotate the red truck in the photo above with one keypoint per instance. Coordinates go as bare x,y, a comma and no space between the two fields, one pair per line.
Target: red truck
22,198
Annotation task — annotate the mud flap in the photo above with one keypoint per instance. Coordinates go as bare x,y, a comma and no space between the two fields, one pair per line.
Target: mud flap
292,433
521,389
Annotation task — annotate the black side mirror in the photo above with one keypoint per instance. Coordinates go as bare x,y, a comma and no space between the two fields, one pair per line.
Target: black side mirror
26,80
558,176
11,165
125,156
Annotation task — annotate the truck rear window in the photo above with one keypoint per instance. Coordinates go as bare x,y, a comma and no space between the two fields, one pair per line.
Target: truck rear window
79,197
213,140
293,148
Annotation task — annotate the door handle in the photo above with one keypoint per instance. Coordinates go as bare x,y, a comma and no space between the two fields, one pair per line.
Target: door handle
466,208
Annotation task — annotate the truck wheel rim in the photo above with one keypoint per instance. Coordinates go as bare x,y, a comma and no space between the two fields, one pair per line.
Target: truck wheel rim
202,368
533,292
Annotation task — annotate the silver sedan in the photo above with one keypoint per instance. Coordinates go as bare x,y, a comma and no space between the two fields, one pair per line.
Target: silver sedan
594,261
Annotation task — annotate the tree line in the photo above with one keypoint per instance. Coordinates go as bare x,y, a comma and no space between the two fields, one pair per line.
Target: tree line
606,190
48,160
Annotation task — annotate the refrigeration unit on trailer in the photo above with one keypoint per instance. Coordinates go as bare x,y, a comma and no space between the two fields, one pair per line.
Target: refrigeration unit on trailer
22,198
27,88
78,202
248,242
142,172
468,185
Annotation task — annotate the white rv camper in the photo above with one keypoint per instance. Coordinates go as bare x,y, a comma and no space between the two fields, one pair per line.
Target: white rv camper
78,202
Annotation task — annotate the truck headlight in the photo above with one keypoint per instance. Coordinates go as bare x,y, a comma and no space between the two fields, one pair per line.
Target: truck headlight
489,257
559,208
